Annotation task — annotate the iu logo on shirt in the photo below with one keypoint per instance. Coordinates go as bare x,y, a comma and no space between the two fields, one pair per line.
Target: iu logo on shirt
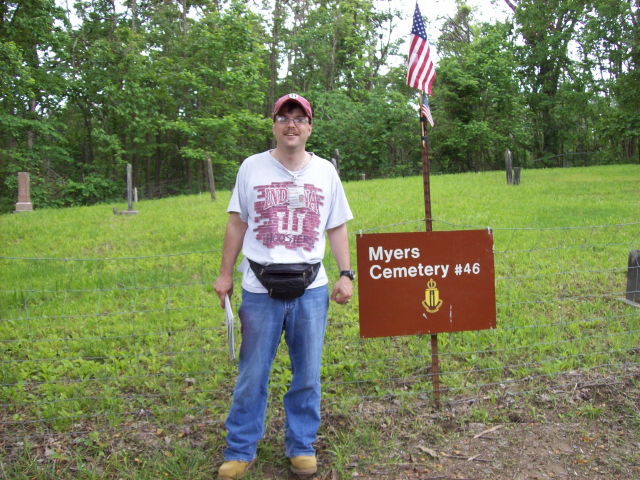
288,215
288,229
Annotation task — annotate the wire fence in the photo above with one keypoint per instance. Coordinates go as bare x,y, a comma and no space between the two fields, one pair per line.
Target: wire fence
123,344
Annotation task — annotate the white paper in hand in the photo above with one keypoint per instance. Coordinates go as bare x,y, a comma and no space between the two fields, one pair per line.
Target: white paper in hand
229,320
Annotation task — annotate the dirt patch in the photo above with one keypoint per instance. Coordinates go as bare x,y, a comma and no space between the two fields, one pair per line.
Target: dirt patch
528,451
581,426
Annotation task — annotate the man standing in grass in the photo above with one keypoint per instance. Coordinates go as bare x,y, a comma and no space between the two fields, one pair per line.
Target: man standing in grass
283,202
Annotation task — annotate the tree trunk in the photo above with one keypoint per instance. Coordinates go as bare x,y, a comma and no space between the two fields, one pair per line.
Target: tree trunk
31,135
278,18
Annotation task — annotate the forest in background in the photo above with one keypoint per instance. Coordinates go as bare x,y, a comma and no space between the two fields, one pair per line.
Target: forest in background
89,86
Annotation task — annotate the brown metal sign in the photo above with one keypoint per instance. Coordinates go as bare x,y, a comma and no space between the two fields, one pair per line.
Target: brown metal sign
425,282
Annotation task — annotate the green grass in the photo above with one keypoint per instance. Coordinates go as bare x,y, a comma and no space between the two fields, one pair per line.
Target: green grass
112,336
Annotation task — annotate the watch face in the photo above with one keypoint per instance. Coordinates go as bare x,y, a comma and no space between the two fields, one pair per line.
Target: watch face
348,273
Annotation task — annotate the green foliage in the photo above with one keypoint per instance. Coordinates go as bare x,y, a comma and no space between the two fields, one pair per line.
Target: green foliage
375,134
14,76
482,111
334,45
164,85
92,189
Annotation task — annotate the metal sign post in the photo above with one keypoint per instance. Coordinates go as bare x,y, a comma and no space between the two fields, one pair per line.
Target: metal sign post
435,366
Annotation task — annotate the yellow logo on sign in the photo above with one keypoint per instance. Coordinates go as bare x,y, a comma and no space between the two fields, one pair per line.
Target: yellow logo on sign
432,301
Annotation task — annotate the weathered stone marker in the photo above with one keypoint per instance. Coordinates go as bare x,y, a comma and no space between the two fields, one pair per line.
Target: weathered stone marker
516,175
508,163
513,173
24,194
633,278
130,210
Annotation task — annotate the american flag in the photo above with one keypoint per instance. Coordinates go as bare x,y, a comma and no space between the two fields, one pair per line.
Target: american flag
421,72
425,111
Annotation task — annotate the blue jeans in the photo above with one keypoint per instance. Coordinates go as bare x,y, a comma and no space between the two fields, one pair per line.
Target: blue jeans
263,320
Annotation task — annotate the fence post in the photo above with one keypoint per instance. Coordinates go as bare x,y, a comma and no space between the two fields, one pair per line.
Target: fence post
632,295
212,187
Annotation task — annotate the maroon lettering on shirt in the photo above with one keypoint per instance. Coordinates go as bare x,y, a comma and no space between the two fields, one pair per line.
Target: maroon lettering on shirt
281,225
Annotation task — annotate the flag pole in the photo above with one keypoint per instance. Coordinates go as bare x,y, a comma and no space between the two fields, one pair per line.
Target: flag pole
435,366
425,169
421,75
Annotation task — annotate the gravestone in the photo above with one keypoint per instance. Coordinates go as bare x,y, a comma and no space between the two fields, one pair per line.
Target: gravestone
24,195
130,210
516,175
633,278
508,163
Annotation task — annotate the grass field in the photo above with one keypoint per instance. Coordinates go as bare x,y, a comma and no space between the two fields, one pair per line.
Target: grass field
114,362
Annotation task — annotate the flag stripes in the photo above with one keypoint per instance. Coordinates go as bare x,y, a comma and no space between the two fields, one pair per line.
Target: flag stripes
421,72
425,111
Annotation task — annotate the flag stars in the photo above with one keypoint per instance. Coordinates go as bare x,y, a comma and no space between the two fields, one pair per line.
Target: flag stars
418,24
421,72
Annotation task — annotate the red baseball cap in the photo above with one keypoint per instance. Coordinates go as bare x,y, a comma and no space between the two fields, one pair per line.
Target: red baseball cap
295,98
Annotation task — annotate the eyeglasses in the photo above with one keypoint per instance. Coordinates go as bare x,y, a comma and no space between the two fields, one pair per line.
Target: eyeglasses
281,119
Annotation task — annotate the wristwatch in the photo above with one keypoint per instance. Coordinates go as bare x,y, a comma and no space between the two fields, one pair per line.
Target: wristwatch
348,273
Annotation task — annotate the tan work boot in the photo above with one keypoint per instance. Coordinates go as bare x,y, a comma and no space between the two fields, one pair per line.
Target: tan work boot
233,469
304,465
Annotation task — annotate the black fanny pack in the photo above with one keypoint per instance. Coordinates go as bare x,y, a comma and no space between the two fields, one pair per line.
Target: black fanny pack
285,280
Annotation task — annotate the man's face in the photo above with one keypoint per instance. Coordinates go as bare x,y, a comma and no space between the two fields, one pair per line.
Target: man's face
290,135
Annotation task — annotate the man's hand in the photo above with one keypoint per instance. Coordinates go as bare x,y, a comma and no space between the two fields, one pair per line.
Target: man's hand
223,287
342,290
339,240
233,237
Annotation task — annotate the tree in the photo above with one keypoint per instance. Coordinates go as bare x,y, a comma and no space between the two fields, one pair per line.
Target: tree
223,79
477,104
376,134
31,37
336,44
610,52
547,29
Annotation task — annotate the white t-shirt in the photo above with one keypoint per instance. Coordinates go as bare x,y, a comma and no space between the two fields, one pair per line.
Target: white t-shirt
287,213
